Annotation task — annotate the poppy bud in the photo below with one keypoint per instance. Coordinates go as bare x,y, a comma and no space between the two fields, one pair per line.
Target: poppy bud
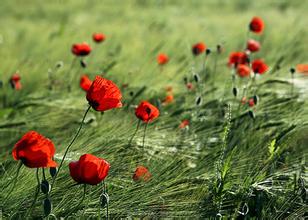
207,51
235,91
52,171
196,77
59,64
251,114
292,70
198,48
45,186
256,25
198,100
219,48
256,99
185,80
83,63
131,93
104,95
146,112
104,200
47,207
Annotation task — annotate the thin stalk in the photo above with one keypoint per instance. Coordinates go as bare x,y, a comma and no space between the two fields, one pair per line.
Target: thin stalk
68,147
138,125
107,205
14,183
145,128
69,73
36,193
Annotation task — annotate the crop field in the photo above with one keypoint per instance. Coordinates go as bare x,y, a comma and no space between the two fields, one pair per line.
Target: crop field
152,109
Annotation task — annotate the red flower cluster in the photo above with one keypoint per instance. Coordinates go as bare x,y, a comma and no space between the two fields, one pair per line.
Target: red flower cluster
162,59
82,49
198,48
142,173
146,112
34,150
103,94
98,37
89,169
85,83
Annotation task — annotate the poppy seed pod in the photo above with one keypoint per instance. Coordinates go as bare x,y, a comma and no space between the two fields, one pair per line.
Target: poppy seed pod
292,70
207,51
83,64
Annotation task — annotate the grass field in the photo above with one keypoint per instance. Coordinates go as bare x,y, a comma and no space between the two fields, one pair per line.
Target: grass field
225,164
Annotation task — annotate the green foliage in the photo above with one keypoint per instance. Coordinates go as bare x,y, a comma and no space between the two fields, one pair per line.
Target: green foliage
223,164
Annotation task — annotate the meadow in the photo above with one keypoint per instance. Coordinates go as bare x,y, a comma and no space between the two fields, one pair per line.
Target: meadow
232,161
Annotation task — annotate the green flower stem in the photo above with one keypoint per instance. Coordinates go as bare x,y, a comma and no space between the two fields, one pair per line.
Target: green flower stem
68,147
29,212
138,125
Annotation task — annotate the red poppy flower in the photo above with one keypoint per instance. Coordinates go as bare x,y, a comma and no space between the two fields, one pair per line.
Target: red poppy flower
236,58
89,169
146,112
258,66
253,45
98,37
243,70
103,94
302,68
169,99
162,59
85,82
251,102
184,123
15,81
256,25
34,150
82,49
142,173
198,48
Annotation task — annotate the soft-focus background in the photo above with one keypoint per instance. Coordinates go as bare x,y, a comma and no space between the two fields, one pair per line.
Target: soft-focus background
222,165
